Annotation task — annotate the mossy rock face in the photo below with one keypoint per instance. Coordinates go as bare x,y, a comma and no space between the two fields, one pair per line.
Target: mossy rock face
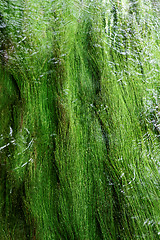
79,156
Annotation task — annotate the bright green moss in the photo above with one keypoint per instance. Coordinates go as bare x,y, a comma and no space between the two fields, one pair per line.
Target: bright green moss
79,101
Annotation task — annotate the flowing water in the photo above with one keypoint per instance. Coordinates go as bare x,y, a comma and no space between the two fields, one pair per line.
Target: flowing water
80,119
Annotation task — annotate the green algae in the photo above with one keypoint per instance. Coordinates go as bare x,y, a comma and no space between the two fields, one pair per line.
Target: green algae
80,133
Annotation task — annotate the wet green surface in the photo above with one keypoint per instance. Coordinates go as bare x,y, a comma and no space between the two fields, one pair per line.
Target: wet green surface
79,120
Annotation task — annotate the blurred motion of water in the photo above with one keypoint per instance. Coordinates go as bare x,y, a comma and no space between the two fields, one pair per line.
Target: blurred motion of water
34,53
